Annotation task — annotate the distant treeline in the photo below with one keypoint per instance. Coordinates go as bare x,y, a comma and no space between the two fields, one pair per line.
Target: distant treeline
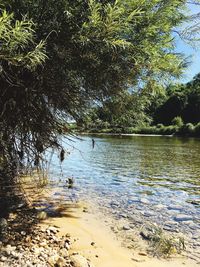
176,110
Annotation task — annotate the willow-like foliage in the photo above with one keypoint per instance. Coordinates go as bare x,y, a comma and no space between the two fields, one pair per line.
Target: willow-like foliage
94,50
19,55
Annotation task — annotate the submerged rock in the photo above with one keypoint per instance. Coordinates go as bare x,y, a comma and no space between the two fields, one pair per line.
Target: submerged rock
175,207
144,201
183,217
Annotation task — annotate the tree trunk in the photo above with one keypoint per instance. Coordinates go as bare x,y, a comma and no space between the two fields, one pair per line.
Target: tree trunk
10,192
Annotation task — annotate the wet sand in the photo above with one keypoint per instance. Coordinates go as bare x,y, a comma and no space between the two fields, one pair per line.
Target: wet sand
94,240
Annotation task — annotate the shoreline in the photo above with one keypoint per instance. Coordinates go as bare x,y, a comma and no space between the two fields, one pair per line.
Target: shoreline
134,134
92,237
95,241
124,134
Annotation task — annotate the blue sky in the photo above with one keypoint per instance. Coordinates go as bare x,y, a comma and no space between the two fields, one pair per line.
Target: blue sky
189,51
194,59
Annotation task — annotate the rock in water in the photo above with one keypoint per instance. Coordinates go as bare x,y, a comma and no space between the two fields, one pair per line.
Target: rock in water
144,201
183,217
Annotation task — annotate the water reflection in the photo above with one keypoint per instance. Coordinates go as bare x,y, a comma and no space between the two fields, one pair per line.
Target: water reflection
164,170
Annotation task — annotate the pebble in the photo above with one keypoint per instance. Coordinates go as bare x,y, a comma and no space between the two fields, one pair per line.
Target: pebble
42,215
60,262
171,223
142,253
64,252
183,217
53,260
66,245
53,229
23,233
126,227
39,252
160,206
137,259
148,213
123,215
3,258
79,261
144,201
175,207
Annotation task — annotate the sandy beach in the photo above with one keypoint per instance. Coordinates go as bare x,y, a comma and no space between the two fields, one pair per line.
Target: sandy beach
96,242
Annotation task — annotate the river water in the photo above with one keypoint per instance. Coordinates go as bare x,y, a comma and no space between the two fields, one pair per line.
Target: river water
141,178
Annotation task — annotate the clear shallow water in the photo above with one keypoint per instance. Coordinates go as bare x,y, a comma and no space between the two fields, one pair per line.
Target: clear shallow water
138,176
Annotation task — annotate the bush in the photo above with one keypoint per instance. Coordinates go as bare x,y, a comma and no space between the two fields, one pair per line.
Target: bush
177,121
105,130
187,129
197,129
163,244
149,130
116,130
160,125
130,130
159,130
168,130
105,125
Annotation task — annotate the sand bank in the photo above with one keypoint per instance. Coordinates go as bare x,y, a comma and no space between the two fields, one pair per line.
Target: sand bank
95,241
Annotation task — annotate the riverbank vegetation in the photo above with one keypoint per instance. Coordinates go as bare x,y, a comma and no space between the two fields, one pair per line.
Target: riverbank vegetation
58,58
174,110
99,63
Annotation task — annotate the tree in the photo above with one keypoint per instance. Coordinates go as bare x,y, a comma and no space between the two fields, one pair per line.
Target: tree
182,100
95,49
120,111
19,55
174,105
191,113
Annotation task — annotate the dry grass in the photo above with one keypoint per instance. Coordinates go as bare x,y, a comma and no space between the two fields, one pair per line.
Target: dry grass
164,244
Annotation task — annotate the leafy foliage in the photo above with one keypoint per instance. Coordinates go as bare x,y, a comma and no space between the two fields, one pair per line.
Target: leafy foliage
182,100
19,55
177,121
15,37
123,110
92,51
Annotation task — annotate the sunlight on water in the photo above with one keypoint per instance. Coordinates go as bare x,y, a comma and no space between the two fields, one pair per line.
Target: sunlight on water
137,174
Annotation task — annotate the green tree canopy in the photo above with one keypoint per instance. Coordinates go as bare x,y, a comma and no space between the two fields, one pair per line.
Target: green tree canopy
94,49
181,100
19,55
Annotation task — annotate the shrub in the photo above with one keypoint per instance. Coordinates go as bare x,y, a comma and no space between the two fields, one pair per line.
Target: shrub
163,244
149,130
116,130
187,129
168,130
93,130
105,125
105,130
130,130
197,129
177,121
160,125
